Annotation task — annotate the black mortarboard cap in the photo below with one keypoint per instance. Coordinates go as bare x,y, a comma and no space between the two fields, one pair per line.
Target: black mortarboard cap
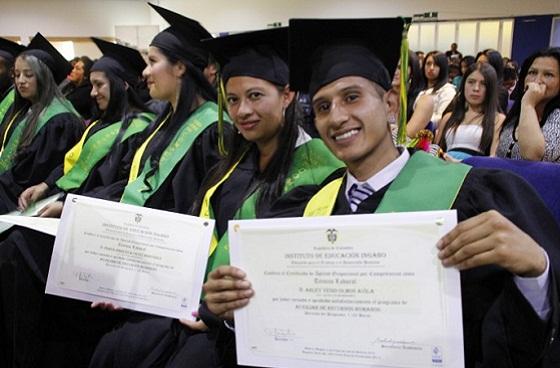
260,54
46,52
127,63
324,50
183,38
9,49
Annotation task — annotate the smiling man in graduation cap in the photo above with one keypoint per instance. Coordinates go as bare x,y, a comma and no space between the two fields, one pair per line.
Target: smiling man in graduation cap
505,249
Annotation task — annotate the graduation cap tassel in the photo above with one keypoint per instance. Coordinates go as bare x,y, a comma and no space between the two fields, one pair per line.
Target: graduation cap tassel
401,134
221,104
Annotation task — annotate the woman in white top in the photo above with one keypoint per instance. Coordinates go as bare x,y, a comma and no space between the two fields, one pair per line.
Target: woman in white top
472,128
435,70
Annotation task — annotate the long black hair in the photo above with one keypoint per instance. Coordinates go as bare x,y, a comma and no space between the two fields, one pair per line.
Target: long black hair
489,107
512,117
495,59
46,91
272,179
193,86
416,83
440,60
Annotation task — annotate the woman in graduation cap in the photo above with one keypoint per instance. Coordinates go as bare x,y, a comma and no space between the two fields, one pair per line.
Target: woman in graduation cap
42,124
97,160
186,139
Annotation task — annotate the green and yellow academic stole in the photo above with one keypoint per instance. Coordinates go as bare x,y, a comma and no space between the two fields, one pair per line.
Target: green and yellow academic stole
6,103
313,162
425,183
137,191
81,159
11,144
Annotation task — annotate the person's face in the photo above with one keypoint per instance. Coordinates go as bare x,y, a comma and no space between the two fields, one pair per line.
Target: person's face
257,108
162,78
351,117
100,89
25,80
464,67
482,59
475,88
454,47
77,73
431,69
545,70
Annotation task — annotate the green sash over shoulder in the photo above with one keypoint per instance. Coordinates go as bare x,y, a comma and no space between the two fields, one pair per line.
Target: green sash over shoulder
425,183
56,107
313,162
6,103
96,147
137,192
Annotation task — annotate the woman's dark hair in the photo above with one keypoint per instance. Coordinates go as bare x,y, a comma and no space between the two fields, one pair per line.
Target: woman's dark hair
46,91
88,63
271,181
512,117
440,60
193,85
415,82
494,59
469,60
489,107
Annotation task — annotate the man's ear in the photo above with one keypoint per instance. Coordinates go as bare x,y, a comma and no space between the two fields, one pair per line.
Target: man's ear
391,103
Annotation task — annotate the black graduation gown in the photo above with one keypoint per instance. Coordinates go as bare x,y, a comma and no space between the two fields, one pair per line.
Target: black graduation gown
42,328
501,329
36,162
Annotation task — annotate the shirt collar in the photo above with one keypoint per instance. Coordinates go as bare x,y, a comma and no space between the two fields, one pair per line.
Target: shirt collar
383,177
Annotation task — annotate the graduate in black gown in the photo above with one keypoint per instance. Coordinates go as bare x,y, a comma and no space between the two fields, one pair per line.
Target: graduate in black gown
41,126
168,169
37,330
186,139
506,242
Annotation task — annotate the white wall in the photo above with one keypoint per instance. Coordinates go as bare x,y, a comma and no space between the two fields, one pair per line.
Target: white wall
86,18
235,15
65,18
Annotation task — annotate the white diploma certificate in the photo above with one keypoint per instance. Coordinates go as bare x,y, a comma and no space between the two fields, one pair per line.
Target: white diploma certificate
348,291
139,258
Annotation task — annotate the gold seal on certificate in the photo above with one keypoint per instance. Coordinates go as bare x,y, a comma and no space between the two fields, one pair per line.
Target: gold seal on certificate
140,258
348,291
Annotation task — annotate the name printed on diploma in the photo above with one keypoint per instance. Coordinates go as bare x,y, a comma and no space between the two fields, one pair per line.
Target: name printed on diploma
144,259
370,283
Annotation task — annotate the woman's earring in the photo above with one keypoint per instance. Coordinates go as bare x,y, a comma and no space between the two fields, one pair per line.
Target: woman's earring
391,119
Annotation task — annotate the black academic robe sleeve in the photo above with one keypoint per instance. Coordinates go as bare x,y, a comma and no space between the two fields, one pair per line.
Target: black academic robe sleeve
501,329
36,162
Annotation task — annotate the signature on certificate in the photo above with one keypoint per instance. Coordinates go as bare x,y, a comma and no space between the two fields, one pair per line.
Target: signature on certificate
280,334
389,343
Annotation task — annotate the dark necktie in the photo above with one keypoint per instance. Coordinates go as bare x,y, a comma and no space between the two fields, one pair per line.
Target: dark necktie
358,193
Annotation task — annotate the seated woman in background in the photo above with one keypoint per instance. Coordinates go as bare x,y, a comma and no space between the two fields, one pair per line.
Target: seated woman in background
418,114
435,72
42,125
495,59
531,130
76,87
472,128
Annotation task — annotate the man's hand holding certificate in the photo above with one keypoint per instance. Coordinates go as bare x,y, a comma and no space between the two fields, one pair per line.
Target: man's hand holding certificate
139,258
351,291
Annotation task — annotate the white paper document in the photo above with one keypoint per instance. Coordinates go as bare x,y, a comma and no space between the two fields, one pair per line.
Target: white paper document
139,258
348,291
27,217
